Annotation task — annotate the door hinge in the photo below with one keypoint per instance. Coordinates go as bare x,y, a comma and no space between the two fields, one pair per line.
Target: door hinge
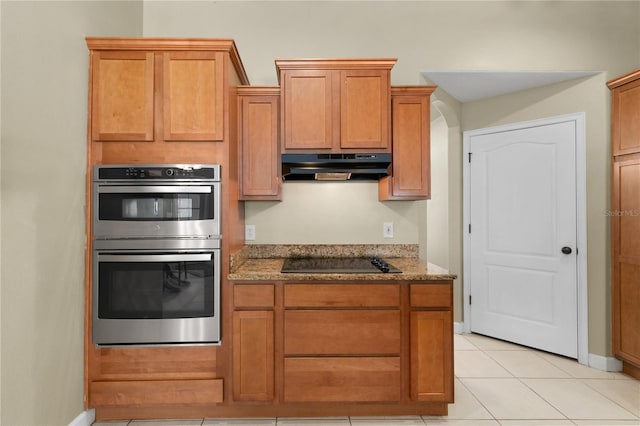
469,299
469,228
469,157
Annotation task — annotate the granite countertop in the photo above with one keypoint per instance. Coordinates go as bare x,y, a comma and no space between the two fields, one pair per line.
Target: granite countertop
263,262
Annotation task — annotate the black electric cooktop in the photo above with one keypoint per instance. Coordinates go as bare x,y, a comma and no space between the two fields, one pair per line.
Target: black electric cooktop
338,265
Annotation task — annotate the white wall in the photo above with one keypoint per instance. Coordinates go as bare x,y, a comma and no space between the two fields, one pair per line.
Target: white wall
437,220
44,128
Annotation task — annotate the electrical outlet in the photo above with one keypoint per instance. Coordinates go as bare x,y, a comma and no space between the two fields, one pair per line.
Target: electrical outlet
249,232
387,230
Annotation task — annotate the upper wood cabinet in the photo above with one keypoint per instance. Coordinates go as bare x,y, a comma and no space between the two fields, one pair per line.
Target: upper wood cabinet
334,105
122,95
411,130
159,89
625,114
258,108
193,100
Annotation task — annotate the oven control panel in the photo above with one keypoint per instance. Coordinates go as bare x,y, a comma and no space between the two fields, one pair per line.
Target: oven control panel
158,172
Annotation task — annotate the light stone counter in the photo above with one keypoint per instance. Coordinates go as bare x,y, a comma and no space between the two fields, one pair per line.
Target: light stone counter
263,263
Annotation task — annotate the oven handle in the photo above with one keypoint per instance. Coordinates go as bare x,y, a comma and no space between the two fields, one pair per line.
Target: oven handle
155,257
146,189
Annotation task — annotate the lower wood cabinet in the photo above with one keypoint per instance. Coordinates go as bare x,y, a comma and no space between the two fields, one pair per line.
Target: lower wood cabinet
155,392
625,277
341,332
300,346
253,356
431,331
431,356
342,379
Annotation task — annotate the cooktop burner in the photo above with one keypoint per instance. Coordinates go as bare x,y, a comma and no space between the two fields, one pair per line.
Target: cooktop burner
338,265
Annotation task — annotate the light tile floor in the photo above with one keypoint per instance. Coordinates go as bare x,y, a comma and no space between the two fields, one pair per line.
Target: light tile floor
497,383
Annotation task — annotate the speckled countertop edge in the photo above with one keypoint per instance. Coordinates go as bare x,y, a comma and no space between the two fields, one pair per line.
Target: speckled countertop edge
262,262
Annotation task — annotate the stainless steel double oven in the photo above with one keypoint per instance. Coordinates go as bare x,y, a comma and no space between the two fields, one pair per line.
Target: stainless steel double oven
156,254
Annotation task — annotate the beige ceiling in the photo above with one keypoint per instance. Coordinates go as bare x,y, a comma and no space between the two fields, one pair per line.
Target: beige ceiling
469,86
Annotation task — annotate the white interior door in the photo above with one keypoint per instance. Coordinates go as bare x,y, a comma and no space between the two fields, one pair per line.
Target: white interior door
522,271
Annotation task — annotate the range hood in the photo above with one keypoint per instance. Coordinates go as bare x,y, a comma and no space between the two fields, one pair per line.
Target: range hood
335,166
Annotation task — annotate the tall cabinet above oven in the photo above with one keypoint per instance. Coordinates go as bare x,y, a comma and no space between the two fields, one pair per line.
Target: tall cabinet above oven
162,102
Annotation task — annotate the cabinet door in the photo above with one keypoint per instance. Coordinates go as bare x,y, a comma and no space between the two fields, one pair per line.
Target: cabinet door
625,285
307,110
364,109
411,177
432,356
253,356
625,109
122,96
260,160
193,96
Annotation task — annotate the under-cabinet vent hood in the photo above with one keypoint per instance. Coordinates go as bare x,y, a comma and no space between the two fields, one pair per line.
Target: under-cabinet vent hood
335,166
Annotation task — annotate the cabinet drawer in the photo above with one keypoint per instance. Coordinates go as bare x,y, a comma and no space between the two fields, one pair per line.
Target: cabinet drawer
253,295
333,379
341,295
155,392
342,332
431,295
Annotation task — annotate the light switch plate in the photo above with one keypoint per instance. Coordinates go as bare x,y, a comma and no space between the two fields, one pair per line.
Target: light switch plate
249,232
387,229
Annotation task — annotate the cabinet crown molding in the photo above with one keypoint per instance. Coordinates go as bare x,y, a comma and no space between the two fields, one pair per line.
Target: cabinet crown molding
335,63
146,43
619,81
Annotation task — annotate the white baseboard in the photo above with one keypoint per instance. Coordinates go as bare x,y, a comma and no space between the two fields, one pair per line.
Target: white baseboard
86,418
604,363
458,327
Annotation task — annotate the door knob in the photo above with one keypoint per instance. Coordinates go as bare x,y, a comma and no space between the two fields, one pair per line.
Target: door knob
566,250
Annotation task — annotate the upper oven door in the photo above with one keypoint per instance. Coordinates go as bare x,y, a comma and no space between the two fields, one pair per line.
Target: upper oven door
168,210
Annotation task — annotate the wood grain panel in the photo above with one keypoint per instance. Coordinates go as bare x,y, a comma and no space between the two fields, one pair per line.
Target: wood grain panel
253,356
629,312
154,363
259,139
364,109
193,96
307,106
341,295
625,109
411,146
156,392
431,295
628,208
342,379
253,295
123,94
341,332
431,356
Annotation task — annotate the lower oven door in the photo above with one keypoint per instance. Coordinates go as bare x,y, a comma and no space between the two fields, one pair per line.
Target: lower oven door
144,298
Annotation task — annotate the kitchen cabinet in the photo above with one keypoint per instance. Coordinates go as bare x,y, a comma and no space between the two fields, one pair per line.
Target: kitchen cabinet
258,133
410,178
122,84
147,93
431,342
165,101
253,343
333,105
341,347
625,221
181,90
